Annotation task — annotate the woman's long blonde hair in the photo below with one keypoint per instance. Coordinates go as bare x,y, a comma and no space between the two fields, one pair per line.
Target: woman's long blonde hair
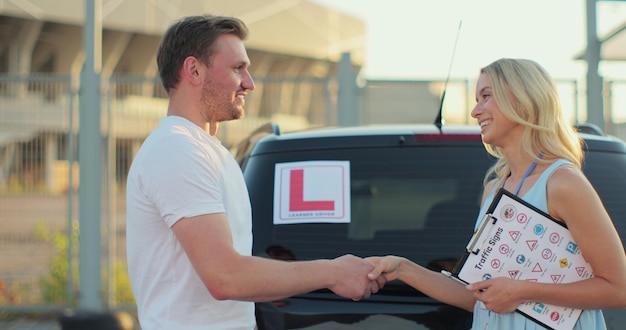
527,95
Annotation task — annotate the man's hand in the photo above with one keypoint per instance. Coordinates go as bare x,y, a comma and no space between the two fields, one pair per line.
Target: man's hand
352,279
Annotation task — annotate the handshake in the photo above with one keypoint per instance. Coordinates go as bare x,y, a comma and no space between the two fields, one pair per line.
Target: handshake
357,278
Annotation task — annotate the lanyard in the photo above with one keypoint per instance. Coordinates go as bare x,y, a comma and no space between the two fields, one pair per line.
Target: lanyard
530,169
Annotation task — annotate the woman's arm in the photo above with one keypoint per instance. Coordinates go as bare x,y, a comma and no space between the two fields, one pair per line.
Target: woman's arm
430,283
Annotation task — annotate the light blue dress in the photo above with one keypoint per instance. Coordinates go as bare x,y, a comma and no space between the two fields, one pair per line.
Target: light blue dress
486,319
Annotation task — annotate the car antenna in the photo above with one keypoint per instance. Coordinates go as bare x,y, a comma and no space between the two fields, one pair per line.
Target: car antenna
439,120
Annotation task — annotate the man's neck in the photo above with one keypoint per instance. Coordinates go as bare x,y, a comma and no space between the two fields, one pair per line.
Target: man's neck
212,127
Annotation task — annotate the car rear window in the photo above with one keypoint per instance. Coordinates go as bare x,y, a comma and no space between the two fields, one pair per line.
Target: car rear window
417,202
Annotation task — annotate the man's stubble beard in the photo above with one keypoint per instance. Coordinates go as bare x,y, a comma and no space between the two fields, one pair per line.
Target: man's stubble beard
216,108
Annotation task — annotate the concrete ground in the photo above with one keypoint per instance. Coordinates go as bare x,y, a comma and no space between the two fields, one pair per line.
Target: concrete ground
28,324
111,321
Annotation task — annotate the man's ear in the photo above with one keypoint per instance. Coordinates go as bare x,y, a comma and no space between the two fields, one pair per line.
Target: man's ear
192,71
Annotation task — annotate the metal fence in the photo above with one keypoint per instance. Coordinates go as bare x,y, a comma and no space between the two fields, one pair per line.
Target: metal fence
39,170
36,124
39,174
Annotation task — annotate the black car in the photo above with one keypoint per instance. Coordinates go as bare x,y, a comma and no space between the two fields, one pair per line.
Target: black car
407,190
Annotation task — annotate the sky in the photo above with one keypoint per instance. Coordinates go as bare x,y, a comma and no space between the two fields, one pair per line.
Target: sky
420,39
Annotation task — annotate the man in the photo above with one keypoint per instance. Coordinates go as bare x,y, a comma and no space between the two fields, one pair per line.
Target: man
189,234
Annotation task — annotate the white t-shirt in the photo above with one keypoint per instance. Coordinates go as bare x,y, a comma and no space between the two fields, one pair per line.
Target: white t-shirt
181,171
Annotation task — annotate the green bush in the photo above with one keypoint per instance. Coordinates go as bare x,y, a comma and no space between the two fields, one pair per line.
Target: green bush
54,285
123,291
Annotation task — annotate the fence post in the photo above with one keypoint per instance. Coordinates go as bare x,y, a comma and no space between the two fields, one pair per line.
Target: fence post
595,104
347,97
90,160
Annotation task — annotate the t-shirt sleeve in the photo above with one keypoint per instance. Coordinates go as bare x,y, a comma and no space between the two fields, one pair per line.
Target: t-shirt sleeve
183,180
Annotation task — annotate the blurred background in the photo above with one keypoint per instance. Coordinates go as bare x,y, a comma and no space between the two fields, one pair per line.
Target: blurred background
315,63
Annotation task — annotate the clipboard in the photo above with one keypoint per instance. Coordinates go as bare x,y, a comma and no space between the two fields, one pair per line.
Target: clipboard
519,241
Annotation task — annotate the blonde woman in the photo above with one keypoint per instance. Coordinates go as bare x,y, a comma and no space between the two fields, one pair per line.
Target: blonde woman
539,159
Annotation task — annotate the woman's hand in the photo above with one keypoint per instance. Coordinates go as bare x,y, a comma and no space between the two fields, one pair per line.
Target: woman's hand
498,294
385,267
